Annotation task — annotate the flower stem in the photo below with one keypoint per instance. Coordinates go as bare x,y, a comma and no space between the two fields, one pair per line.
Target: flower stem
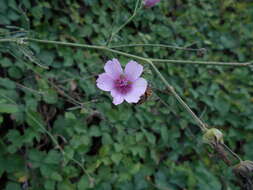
136,56
202,62
123,25
200,123
232,152
158,45
8,40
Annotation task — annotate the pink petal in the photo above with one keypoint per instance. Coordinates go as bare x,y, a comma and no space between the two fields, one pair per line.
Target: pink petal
133,70
117,97
105,82
114,93
138,89
118,100
113,68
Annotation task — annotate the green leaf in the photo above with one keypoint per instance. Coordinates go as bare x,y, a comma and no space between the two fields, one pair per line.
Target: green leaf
53,157
49,185
1,119
165,134
116,158
135,168
56,176
50,96
36,158
83,183
15,72
6,83
13,186
151,138
16,140
66,185
8,108
3,6
94,131
34,119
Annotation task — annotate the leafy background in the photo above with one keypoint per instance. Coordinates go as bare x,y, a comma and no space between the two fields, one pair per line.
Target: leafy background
155,145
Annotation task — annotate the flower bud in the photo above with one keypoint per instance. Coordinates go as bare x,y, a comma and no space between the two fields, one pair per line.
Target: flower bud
213,136
243,169
150,3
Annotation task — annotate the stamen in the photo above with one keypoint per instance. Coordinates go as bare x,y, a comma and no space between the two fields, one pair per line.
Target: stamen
123,85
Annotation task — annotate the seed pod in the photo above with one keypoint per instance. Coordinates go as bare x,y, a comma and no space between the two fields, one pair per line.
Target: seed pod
243,171
213,136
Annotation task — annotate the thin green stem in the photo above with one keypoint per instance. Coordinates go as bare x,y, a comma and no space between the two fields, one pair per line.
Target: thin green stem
232,152
25,88
88,47
136,56
47,132
157,45
201,62
123,25
200,123
65,43
8,40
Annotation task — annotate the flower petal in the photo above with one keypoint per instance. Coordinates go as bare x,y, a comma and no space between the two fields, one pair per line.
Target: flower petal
117,97
114,93
105,82
138,89
118,100
133,70
113,68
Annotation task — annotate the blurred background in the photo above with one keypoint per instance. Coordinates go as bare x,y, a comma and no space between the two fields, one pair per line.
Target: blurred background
59,131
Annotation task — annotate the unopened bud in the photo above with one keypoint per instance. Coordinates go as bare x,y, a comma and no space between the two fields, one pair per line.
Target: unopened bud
213,136
244,169
150,3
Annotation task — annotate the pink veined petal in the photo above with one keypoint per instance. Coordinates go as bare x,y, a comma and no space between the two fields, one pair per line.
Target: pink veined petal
133,70
118,100
117,97
113,68
114,92
138,89
105,82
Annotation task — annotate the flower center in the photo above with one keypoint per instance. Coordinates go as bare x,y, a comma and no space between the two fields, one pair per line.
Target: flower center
122,84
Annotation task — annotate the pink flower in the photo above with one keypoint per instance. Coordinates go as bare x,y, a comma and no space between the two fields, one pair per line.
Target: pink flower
150,3
123,85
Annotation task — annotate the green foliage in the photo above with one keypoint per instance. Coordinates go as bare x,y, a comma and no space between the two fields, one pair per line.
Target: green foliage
155,145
